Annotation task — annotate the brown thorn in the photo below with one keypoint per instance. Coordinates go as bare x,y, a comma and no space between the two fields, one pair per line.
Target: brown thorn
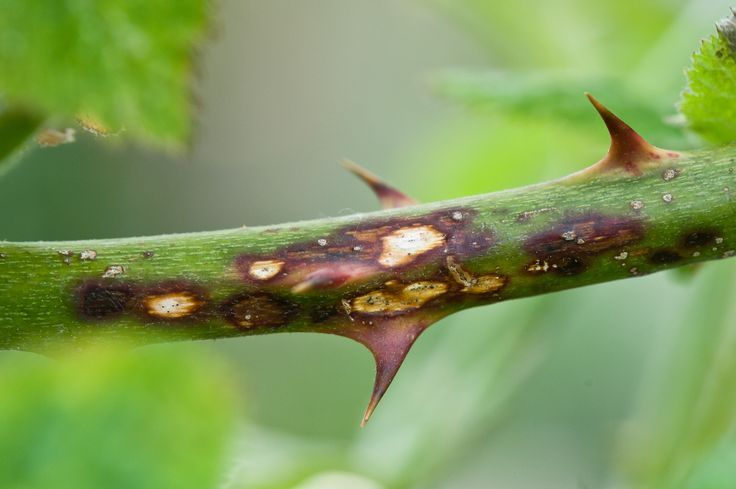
388,196
628,150
389,339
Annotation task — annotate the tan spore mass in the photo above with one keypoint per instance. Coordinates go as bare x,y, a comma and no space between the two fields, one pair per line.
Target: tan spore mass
265,269
172,305
404,245
396,299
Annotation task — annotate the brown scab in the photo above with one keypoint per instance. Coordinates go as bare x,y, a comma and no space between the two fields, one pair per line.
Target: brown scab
701,237
251,311
664,257
593,234
103,299
171,300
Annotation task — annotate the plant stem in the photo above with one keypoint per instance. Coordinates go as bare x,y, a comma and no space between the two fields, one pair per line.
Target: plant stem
379,278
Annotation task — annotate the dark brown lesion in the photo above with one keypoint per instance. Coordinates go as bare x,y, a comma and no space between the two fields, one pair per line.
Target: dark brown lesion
102,299
259,310
664,256
567,247
173,300
700,237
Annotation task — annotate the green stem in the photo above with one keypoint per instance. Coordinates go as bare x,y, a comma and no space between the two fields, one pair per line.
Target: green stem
479,250
380,278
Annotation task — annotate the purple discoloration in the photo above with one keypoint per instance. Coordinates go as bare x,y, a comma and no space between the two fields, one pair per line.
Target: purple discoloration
369,249
564,248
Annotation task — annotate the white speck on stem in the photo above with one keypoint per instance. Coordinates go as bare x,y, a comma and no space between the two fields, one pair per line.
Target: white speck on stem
88,255
113,271
322,242
636,204
667,198
669,174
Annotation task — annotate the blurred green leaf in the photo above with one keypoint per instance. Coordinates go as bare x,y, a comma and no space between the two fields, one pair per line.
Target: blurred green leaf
717,469
558,97
709,99
687,408
16,127
127,64
115,421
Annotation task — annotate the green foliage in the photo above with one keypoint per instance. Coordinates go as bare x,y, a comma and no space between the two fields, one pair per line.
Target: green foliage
16,127
558,98
126,64
709,100
146,420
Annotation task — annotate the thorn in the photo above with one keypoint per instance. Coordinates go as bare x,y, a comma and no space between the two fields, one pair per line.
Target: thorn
388,196
389,339
628,150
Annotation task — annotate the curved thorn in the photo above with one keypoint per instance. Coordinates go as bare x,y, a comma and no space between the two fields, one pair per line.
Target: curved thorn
389,339
628,151
388,196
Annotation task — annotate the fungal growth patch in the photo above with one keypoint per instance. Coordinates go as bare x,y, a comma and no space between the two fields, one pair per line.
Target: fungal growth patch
629,152
173,305
397,298
402,246
388,196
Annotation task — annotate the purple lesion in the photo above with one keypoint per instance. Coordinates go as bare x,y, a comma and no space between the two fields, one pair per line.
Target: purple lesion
374,249
566,248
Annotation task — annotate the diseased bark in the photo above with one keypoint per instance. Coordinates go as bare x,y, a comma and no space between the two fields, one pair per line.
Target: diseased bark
379,278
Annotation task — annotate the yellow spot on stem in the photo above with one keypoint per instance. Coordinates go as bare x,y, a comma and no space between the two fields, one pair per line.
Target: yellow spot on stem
410,297
173,305
406,244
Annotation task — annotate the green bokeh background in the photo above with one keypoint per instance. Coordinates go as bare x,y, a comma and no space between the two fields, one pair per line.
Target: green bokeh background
625,384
